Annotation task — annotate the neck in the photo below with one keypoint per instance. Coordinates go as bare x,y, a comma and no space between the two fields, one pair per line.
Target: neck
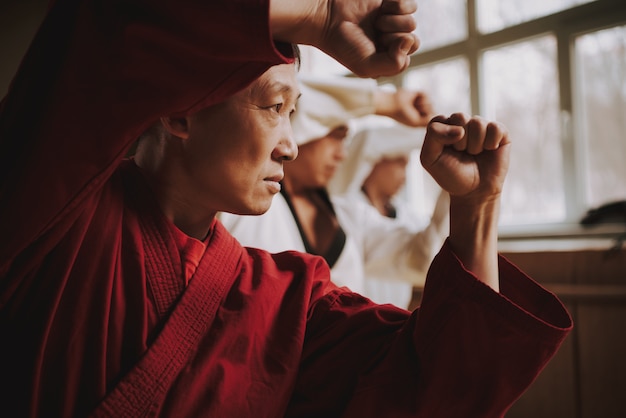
165,180
294,187
379,200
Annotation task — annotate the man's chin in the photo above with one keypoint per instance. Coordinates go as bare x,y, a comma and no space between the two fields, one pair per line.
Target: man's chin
255,211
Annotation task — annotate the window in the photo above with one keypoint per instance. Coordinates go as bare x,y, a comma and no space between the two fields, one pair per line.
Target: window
554,72
447,83
431,13
601,109
520,89
497,14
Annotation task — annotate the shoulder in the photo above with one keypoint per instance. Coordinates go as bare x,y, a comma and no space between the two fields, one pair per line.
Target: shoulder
298,270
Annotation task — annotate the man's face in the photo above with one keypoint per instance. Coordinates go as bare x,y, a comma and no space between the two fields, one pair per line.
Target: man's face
389,175
318,160
235,150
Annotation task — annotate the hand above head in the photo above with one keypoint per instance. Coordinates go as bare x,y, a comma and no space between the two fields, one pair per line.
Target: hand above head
409,107
372,38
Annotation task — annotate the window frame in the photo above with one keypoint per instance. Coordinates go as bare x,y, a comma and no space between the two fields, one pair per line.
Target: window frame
565,26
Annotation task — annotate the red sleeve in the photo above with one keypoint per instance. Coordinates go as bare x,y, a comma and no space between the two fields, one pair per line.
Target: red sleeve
96,75
467,352
480,350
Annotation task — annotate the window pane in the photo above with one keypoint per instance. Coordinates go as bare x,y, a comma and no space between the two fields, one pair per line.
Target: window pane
494,15
601,76
447,84
441,22
521,91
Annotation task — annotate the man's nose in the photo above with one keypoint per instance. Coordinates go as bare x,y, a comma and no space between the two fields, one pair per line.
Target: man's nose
341,152
286,150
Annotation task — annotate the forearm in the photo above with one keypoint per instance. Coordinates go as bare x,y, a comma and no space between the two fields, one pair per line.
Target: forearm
407,107
474,237
297,21
372,38
385,103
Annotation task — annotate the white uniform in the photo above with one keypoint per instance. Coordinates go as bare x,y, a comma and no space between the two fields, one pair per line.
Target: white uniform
381,287
381,259
364,151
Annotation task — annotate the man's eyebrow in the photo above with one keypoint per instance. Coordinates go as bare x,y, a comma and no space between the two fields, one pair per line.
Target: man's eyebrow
286,88
279,87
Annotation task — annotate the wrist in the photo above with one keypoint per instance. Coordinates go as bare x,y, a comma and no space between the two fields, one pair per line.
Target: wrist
474,223
474,237
385,102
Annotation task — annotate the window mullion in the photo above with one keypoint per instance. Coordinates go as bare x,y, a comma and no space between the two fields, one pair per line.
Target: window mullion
473,55
574,173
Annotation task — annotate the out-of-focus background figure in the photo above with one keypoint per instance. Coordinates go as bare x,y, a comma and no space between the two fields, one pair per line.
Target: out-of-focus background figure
353,237
375,173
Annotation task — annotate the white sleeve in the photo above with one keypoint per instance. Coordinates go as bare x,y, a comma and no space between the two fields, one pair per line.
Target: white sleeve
391,249
274,231
330,102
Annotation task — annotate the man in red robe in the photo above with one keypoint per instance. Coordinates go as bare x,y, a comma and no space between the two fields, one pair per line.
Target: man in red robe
121,295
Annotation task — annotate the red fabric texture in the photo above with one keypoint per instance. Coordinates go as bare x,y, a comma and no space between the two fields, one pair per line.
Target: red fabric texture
97,313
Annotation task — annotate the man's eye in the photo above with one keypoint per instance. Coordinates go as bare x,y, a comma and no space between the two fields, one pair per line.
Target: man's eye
277,107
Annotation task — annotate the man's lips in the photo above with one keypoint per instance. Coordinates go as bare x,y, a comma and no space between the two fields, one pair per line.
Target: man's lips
277,178
273,182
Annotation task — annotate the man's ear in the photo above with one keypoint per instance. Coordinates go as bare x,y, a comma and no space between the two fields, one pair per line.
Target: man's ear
176,126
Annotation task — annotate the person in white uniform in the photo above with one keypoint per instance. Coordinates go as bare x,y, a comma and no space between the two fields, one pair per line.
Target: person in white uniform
304,217
374,174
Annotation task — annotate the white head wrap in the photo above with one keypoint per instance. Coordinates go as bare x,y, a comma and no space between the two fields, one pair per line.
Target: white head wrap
369,146
327,103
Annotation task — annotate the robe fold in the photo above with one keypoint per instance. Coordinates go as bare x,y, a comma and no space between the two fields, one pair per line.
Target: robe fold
107,309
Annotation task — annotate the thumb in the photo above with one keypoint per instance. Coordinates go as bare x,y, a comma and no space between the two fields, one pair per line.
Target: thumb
438,136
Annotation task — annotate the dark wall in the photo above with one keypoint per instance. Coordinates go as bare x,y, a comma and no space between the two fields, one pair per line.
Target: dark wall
19,20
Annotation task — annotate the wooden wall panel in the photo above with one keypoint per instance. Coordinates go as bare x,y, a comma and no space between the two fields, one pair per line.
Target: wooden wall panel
601,328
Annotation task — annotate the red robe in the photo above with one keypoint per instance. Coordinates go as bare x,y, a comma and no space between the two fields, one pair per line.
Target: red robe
107,309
